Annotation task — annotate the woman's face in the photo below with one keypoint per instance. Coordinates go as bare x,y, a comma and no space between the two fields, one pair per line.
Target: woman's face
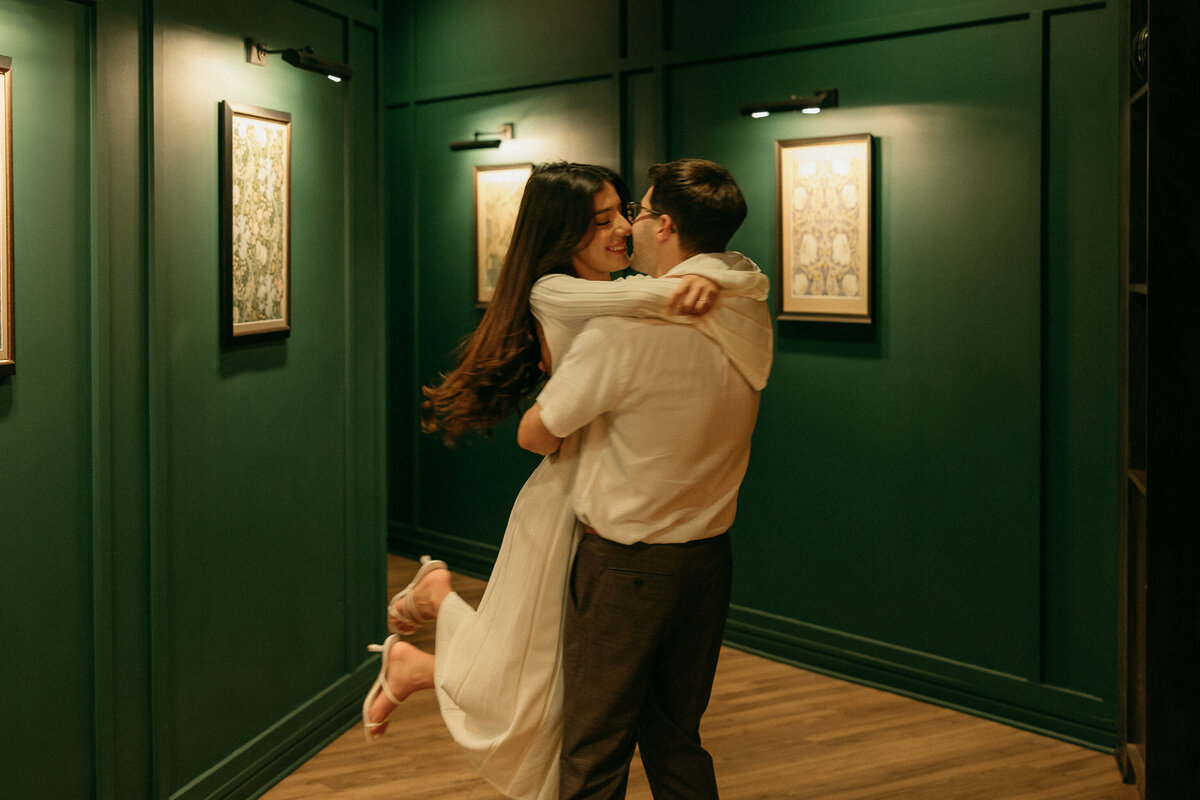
604,247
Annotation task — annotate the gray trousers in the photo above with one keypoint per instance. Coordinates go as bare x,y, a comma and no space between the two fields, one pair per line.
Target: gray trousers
641,638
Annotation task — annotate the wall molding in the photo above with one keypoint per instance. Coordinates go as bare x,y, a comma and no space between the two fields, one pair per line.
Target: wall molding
464,555
276,752
1063,714
786,40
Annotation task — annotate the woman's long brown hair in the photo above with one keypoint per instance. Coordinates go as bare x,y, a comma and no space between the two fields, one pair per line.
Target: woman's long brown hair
498,363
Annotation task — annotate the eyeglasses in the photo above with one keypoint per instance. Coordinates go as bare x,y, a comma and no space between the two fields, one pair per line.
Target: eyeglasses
634,209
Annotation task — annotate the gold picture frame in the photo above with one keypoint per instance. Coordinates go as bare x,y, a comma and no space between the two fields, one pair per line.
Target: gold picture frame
498,192
824,200
8,328
256,228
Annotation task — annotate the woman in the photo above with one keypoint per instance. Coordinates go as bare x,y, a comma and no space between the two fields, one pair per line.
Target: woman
497,672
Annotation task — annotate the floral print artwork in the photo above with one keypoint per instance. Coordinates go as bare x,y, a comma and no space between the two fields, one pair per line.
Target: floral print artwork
825,194
260,220
498,194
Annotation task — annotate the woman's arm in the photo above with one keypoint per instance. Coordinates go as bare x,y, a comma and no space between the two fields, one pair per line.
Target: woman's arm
741,321
533,435
566,298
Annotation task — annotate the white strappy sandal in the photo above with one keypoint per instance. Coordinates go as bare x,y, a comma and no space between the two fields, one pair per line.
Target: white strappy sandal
408,620
380,685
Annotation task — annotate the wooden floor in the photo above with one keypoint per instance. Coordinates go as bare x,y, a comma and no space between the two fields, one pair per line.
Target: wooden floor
775,731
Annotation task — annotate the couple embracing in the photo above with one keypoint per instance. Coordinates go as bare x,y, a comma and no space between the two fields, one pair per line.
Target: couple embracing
602,621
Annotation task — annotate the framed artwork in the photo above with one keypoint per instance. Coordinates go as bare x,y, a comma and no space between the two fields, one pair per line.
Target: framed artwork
498,191
824,201
7,326
256,228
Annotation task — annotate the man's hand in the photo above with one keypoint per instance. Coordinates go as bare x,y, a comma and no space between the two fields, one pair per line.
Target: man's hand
695,295
532,434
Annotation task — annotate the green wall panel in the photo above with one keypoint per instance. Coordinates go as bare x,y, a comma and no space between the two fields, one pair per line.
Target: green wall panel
645,142
705,28
464,46
180,519
251,462
403,398
124,737
45,411
911,449
1081,290
396,61
365,343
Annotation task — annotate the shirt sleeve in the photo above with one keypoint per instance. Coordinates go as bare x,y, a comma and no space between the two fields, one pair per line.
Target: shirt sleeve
589,381
567,298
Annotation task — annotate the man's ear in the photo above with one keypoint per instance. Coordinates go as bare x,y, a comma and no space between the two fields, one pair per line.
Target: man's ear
666,227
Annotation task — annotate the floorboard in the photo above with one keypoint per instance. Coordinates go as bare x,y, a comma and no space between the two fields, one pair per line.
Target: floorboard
775,732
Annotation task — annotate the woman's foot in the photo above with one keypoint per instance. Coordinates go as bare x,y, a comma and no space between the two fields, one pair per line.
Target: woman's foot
420,601
409,669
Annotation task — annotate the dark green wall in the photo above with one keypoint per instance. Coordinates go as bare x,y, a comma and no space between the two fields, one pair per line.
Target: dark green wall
931,503
45,411
193,537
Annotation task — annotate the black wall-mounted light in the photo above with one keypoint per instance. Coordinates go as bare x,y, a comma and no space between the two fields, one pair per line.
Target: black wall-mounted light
302,57
507,131
822,98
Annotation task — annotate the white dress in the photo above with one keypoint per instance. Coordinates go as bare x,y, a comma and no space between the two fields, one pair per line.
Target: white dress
498,669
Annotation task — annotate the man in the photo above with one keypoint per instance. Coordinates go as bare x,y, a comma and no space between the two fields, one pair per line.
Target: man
667,412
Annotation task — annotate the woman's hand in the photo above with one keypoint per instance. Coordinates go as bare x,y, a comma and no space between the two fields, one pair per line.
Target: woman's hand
695,295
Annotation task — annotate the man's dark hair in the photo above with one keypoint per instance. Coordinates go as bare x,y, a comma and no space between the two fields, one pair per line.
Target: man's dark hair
703,200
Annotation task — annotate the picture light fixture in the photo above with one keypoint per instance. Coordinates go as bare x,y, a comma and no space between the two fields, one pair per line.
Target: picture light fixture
302,57
507,131
821,98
